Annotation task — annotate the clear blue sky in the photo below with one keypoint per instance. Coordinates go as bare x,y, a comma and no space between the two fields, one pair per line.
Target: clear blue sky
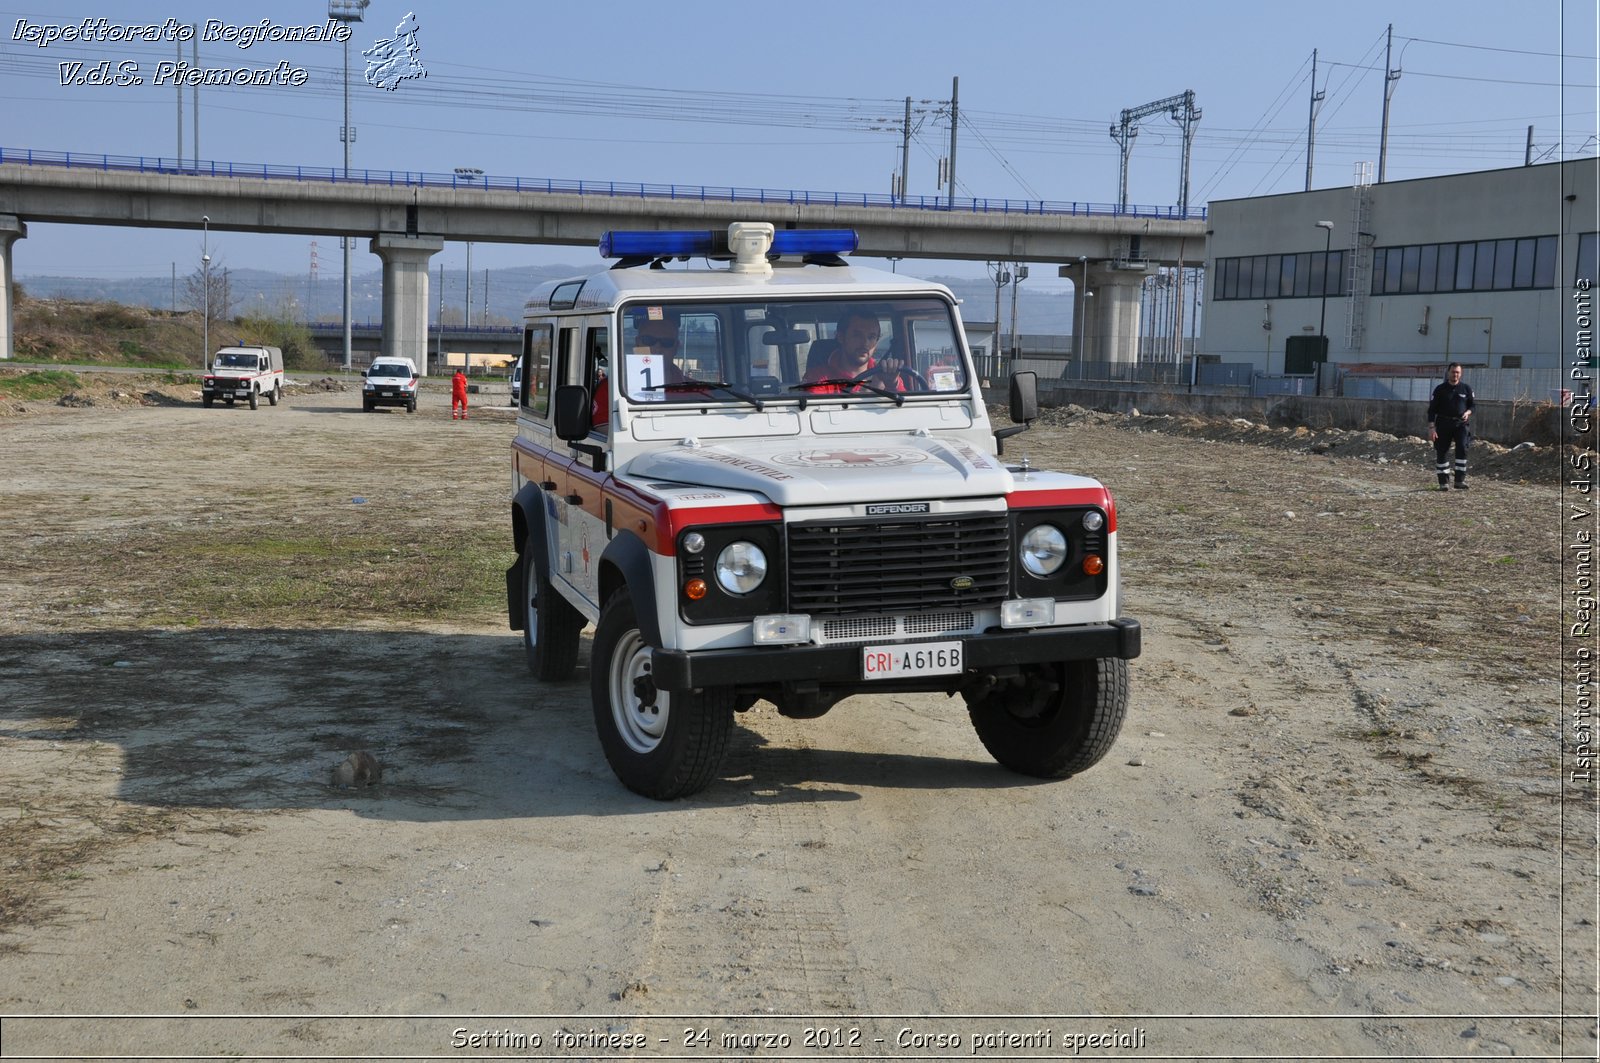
786,96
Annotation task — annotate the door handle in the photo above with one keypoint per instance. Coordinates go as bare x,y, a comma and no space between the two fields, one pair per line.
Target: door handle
548,485
576,500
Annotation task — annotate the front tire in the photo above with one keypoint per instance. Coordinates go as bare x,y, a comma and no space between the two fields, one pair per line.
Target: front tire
255,399
206,400
1061,722
275,394
550,626
660,744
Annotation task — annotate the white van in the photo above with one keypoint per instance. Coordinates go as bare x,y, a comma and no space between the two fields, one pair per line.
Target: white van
247,373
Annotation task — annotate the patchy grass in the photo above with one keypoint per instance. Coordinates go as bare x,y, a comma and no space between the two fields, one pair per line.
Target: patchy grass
44,385
300,575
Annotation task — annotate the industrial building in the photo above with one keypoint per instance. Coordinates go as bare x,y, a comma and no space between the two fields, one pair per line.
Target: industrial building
1368,285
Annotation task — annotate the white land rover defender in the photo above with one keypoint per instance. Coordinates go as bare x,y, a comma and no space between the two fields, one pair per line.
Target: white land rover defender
775,478
244,373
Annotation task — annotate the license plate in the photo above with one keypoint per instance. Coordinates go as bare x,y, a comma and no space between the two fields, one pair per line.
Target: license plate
918,658
386,394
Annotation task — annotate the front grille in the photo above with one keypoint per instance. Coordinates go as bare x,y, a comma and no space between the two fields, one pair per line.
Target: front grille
869,628
886,567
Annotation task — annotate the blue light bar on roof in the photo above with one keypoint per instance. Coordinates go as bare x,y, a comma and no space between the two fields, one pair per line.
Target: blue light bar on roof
815,241
695,243
659,244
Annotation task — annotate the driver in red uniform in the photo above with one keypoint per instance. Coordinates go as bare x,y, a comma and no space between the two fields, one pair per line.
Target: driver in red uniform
858,334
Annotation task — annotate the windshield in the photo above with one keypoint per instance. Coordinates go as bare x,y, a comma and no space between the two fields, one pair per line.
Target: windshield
794,348
239,361
390,370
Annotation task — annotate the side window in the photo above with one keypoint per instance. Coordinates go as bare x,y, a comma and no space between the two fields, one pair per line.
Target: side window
596,375
935,354
700,347
569,370
536,350
596,359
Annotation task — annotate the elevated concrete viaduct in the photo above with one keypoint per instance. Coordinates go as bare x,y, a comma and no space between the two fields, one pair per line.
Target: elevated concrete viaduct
407,224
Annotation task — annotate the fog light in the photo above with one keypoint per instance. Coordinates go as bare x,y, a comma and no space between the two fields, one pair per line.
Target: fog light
781,630
695,589
1093,565
1028,612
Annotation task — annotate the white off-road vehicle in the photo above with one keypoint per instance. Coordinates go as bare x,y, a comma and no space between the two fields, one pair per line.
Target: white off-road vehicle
246,374
775,478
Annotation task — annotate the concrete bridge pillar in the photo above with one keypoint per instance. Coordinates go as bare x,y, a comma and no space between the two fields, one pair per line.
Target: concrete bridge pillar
1113,315
405,294
12,229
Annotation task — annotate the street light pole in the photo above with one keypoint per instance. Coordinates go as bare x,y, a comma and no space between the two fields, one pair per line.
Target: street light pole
1322,323
347,11
205,285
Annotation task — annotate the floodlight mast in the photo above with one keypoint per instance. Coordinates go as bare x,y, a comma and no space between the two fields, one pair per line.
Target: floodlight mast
347,11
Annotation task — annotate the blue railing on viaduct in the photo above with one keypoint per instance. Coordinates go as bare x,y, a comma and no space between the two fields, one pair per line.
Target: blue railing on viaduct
625,189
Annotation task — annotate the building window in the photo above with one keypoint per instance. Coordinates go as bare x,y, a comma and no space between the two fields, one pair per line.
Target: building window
1515,264
1446,281
1309,274
1587,264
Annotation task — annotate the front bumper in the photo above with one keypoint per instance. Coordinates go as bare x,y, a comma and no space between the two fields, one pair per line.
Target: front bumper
394,398
841,664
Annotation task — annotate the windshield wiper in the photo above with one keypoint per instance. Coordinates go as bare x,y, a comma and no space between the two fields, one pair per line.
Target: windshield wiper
708,385
849,382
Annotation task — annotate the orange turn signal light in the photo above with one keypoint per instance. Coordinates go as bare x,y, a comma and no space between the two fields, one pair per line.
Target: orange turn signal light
695,589
1093,565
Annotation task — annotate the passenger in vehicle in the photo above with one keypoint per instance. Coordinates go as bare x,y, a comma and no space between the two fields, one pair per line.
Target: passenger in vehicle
655,335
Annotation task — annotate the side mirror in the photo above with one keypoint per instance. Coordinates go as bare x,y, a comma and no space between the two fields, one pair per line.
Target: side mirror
573,412
1024,396
1024,407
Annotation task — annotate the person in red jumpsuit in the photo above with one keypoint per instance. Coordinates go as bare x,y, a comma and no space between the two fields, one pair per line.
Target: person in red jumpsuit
851,357
458,396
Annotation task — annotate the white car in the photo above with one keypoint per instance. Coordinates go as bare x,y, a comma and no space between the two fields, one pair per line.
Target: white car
390,382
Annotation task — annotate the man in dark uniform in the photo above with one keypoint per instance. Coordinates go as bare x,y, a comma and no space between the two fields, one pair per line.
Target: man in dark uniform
1449,414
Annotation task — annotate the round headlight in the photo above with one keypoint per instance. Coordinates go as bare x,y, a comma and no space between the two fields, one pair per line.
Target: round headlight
1094,520
1044,550
741,567
693,543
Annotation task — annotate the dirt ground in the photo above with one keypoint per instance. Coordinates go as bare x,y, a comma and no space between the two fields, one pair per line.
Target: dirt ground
1337,823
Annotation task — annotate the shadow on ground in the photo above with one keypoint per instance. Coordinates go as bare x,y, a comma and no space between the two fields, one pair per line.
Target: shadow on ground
257,720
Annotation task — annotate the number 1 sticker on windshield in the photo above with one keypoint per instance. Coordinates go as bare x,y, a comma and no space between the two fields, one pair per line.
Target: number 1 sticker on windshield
646,371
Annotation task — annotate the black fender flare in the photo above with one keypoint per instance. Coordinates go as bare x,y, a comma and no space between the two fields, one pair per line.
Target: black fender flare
528,515
626,562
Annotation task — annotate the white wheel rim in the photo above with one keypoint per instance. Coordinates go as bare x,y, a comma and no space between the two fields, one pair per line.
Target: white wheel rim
640,726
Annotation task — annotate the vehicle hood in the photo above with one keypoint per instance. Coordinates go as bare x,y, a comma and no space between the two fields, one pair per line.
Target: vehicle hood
838,470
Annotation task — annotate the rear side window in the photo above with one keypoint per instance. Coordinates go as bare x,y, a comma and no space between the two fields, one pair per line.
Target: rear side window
537,343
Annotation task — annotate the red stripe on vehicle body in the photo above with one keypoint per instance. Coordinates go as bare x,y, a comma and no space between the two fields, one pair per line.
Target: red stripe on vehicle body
1067,496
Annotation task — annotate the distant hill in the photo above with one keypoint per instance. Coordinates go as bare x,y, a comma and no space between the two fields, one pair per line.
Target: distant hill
281,293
